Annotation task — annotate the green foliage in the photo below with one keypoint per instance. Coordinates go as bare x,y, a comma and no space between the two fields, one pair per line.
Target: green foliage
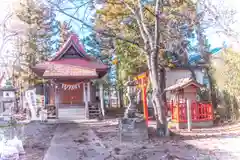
176,24
130,59
227,72
38,42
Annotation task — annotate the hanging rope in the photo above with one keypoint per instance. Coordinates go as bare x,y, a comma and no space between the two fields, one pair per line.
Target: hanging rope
71,86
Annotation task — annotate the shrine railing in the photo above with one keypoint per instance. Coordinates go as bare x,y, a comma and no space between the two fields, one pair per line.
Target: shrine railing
199,111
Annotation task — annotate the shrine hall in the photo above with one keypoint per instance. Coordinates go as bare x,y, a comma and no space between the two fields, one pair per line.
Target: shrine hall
70,73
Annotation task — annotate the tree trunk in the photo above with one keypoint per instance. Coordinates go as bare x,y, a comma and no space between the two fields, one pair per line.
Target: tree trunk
162,77
212,89
158,92
120,97
193,74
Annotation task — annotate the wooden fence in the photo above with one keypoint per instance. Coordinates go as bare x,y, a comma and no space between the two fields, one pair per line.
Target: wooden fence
199,111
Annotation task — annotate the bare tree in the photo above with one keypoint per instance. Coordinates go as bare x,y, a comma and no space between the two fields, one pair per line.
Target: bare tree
217,17
7,36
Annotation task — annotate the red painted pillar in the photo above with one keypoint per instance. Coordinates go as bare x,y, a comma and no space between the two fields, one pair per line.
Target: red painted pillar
145,107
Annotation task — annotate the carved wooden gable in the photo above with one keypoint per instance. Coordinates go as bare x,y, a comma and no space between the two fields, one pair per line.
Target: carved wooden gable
72,53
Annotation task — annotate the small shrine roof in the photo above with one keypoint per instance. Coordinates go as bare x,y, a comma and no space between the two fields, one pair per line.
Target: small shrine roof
183,83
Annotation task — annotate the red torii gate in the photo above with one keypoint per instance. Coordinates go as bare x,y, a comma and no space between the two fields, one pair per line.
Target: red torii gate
142,81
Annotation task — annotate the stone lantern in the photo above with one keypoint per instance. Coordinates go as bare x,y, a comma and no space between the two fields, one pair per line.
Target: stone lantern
131,94
8,102
132,127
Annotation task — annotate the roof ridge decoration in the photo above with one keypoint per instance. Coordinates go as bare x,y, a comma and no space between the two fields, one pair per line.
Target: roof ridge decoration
73,40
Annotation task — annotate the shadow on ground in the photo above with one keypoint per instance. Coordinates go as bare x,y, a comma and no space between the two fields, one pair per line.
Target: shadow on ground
79,139
177,147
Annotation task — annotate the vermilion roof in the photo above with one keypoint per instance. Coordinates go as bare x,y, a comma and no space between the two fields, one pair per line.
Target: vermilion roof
74,62
82,63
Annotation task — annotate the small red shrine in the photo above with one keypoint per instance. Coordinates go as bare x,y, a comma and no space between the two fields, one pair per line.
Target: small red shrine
184,89
201,113
70,73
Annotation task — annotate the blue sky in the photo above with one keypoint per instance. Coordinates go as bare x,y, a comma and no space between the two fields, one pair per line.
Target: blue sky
84,14
214,39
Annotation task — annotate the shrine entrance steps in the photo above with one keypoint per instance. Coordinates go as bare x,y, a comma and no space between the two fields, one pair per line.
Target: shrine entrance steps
77,113
71,113
94,111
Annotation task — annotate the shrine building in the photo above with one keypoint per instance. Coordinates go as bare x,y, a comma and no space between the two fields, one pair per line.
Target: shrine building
70,74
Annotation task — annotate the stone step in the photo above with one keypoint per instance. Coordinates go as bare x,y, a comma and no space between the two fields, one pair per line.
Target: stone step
71,110
96,113
75,117
71,113
67,115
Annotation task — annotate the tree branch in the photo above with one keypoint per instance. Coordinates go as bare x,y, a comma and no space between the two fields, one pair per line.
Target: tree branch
77,8
157,27
218,18
90,27
144,25
143,34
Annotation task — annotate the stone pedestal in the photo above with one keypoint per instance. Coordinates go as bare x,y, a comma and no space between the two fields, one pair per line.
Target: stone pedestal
8,130
133,129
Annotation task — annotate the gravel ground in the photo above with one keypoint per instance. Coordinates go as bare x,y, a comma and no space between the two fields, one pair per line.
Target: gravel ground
37,138
203,144
219,143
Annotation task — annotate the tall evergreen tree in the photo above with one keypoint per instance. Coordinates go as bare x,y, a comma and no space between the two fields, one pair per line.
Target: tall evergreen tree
40,30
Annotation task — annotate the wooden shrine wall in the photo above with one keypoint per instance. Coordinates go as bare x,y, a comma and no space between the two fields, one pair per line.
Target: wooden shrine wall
67,96
51,95
71,96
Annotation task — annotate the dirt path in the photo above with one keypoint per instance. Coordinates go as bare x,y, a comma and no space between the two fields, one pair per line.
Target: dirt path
75,142
37,139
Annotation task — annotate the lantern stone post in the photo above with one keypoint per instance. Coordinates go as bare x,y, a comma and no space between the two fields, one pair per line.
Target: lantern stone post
132,127
131,94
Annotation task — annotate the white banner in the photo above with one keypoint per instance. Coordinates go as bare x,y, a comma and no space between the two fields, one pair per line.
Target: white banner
32,102
31,97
